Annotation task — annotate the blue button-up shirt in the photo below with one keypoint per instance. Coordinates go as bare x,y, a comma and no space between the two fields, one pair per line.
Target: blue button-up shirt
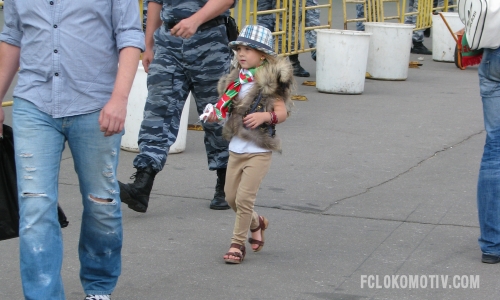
69,50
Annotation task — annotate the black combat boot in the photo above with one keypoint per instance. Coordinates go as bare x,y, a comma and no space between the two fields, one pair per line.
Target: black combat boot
136,194
219,200
297,68
427,32
419,48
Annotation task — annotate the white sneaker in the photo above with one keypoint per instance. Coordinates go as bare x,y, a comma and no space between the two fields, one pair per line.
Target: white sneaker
97,297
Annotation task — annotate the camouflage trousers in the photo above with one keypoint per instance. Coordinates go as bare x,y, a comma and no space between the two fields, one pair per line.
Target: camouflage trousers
181,66
418,35
144,14
360,13
311,19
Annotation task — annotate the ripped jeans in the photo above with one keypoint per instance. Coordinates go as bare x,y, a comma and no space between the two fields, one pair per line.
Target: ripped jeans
39,141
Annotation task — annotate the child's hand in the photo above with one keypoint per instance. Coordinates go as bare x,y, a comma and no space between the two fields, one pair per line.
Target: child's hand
211,118
209,114
255,119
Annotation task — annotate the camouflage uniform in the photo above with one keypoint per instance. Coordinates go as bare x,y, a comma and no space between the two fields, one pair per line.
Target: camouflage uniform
360,13
144,14
312,19
418,35
180,66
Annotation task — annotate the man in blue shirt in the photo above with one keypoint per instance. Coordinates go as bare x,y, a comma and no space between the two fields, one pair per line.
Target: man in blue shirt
77,61
190,55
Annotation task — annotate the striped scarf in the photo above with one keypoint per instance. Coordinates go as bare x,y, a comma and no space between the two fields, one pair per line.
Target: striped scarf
469,57
222,106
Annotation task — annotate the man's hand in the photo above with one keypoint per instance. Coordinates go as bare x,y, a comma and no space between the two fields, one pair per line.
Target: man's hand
147,58
9,63
112,117
185,28
152,24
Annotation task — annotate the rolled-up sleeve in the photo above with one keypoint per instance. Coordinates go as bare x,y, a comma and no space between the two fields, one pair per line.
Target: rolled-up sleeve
11,33
127,24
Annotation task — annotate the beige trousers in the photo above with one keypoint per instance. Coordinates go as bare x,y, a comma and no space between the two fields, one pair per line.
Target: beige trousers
243,178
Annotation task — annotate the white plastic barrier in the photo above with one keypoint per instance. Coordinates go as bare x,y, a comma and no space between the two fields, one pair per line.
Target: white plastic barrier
135,109
389,53
341,57
443,43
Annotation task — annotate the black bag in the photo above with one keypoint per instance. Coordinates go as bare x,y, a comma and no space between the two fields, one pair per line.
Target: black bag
63,221
232,29
9,209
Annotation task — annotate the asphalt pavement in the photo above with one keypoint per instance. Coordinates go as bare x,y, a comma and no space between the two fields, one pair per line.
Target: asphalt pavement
373,197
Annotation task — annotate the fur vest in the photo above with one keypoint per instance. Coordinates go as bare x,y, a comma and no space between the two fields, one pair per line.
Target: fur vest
274,81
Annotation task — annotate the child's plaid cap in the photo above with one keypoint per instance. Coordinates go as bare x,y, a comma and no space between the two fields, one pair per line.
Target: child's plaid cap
256,37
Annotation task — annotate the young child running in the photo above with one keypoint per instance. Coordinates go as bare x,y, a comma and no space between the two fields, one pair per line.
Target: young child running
255,97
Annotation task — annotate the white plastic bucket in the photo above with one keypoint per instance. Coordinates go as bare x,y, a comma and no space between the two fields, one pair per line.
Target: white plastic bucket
389,51
443,44
135,115
341,57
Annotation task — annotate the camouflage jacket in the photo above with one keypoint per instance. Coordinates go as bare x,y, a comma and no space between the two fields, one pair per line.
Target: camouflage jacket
174,11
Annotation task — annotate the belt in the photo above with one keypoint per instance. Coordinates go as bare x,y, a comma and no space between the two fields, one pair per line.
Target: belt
208,24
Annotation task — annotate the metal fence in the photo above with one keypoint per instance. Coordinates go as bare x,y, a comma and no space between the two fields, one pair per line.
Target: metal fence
375,11
290,18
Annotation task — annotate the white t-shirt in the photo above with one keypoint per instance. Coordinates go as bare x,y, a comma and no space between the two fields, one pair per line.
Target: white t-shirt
239,145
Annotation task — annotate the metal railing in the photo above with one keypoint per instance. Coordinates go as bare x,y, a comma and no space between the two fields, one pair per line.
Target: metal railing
246,13
424,12
286,13
374,11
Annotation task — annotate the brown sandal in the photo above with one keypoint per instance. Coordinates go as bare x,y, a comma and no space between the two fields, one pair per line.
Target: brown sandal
239,255
263,224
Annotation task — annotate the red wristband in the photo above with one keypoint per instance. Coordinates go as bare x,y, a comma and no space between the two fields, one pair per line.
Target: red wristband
274,118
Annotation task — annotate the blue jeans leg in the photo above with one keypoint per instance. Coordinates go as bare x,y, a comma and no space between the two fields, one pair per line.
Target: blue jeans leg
488,190
96,160
39,142
38,146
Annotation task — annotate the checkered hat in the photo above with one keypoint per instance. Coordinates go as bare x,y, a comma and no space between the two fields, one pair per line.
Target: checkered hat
257,37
